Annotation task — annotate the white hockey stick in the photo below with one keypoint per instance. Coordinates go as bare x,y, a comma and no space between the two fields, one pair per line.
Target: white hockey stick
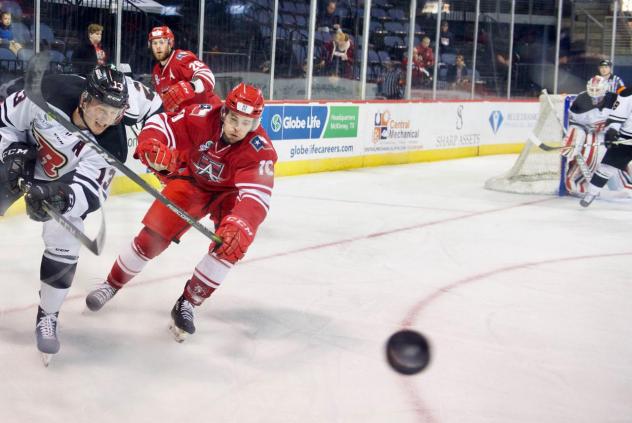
33,87
94,245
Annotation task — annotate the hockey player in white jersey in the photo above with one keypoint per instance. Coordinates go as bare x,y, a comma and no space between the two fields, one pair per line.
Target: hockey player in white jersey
618,155
589,116
62,171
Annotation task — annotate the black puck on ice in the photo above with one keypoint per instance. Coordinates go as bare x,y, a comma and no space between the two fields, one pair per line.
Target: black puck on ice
408,352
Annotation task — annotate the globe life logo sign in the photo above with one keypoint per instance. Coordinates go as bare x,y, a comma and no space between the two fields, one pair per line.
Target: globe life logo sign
294,122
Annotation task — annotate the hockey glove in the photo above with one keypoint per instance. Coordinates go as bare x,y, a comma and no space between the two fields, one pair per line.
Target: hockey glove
237,235
157,156
176,95
611,135
18,162
57,195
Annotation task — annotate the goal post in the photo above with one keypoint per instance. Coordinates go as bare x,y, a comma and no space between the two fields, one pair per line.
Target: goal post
536,171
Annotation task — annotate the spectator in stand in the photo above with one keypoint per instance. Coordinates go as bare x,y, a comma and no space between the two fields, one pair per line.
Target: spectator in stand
458,74
338,58
423,61
446,39
90,53
615,84
6,33
328,20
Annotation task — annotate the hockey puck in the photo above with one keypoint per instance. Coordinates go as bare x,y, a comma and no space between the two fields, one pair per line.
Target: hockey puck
408,352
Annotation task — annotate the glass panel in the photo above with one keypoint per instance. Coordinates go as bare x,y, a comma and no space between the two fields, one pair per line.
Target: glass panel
15,53
622,60
534,47
237,39
456,50
424,50
338,50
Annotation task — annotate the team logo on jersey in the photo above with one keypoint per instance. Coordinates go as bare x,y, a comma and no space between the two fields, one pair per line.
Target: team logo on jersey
209,168
496,120
206,146
50,159
259,143
179,56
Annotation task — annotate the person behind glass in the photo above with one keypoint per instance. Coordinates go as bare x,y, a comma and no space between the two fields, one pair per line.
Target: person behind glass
90,53
458,74
392,82
446,39
6,33
615,83
339,56
328,20
423,60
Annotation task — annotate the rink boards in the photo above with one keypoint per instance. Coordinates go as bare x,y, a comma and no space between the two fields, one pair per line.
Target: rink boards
328,136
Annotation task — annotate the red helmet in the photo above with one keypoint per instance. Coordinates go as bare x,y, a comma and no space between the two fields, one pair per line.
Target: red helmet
245,100
161,32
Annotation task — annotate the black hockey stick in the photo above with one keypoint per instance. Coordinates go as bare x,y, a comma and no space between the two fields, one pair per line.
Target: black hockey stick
94,245
33,87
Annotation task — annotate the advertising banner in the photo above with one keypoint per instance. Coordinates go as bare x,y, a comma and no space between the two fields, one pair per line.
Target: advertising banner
312,131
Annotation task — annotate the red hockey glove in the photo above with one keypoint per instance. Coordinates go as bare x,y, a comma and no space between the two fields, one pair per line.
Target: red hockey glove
176,95
237,236
156,155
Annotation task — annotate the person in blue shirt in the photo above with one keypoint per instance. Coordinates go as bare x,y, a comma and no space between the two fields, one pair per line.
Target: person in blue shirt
6,33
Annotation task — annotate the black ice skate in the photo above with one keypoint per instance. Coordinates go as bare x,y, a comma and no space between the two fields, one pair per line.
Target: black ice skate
182,319
588,198
46,334
99,296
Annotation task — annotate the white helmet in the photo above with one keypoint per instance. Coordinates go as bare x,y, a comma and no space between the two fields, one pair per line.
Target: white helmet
597,87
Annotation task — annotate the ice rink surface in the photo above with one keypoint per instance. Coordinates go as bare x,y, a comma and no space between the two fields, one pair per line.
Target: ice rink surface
527,301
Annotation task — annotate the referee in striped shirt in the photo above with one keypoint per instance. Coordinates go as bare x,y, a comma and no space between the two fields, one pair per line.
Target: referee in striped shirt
615,83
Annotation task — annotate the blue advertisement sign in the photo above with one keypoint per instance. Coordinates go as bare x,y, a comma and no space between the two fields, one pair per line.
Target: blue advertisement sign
294,122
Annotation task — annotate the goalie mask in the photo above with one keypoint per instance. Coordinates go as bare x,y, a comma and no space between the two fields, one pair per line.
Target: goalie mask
597,87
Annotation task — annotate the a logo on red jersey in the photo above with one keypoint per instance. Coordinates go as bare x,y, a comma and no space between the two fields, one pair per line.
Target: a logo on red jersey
50,159
210,168
206,146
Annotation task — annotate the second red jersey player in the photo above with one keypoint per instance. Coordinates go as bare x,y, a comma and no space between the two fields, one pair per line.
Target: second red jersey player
178,76
216,161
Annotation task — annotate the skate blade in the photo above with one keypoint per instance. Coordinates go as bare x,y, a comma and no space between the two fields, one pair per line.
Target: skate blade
46,358
178,334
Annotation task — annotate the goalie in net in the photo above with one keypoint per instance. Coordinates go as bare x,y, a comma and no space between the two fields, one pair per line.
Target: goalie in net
559,161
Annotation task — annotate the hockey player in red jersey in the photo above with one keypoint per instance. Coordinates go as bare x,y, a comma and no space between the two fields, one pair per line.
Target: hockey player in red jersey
178,76
217,161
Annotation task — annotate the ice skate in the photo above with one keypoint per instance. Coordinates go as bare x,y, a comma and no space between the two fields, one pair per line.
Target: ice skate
588,198
182,319
97,298
46,334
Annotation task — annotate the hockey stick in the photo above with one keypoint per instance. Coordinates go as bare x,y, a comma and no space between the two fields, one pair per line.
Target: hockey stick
33,87
568,147
94,245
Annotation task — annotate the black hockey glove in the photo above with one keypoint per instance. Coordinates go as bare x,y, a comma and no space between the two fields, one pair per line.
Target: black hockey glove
58,195
18,161
611,135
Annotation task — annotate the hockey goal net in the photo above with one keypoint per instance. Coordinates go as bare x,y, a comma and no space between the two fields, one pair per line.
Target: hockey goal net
537,171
